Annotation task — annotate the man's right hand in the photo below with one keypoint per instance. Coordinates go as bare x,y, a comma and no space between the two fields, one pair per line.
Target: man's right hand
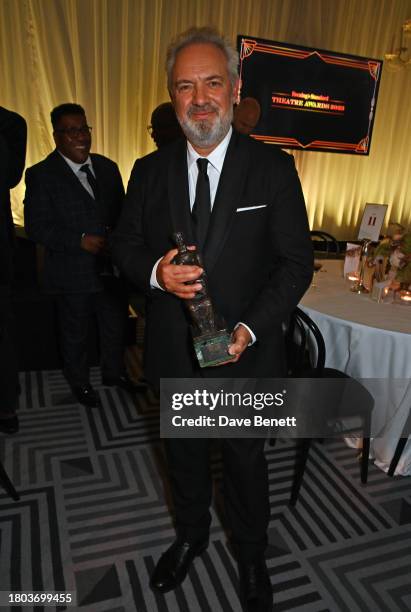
93,244
172,278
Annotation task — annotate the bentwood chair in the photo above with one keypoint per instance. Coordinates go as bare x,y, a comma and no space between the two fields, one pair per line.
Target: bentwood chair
7,484
324,244
306,354
400,446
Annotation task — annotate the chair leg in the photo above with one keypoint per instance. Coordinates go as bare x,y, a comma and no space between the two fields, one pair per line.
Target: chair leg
7,484
364,459
301,461
397,454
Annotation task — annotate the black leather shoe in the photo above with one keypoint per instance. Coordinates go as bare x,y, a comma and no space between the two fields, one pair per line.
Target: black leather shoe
124,382
87,396
256,594
174,564
9,425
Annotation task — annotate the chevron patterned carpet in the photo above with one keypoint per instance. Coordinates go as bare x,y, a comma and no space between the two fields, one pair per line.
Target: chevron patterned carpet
93,516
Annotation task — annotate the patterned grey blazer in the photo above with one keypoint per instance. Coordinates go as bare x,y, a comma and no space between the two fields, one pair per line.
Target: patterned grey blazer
58,210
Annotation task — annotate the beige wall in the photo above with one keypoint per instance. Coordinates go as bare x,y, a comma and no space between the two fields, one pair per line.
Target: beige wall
108,55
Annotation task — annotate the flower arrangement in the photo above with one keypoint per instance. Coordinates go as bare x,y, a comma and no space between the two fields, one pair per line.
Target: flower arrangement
392,257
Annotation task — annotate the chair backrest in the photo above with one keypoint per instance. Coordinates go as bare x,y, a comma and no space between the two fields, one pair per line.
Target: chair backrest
327,243
305,346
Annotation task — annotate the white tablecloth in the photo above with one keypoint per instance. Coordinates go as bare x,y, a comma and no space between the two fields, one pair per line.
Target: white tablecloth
367,340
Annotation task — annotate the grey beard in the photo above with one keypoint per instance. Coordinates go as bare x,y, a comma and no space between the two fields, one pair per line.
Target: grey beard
202,134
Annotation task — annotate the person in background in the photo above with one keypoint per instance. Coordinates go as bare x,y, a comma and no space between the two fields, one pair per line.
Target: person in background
246,115
73,200
241,204
164,127
13,138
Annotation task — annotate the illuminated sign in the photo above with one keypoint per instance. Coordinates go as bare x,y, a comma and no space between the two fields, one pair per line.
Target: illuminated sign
310,99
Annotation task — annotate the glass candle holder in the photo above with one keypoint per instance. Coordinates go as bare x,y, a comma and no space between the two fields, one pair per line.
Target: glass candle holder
352,278
403,297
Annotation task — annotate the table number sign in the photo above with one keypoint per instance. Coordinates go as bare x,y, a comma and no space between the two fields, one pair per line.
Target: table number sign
372,220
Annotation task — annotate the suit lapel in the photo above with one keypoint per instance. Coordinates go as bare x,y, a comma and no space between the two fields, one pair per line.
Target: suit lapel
98,171
179,198
230,188
101,178
104,203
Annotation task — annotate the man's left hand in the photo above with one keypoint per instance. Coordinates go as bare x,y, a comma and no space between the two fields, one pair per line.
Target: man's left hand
241,338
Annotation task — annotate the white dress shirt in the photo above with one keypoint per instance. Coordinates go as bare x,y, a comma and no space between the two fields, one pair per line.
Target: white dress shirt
214,167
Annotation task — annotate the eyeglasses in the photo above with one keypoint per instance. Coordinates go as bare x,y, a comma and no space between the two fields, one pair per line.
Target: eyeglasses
73,132
150,129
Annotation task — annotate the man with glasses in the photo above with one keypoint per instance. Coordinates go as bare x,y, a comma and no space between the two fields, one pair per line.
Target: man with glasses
73,199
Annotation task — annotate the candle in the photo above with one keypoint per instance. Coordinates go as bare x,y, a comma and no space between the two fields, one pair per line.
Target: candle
352,276
405,296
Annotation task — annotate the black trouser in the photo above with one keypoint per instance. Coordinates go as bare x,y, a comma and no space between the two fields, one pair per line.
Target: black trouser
245,481
9,381
75,313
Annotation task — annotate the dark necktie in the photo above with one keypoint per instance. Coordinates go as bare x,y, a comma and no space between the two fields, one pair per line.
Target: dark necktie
91,180
202,204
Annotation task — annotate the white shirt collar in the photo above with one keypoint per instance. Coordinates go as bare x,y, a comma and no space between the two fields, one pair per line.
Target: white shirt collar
217,155
73,165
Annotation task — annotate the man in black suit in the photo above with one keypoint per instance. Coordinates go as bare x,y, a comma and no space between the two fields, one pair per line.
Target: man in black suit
13,136
73,199
164,127
258,257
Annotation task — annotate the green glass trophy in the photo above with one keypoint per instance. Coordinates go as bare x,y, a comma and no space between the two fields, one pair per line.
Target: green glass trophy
210,336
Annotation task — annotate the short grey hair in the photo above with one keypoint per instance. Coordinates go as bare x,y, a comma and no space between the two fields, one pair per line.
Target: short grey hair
204,35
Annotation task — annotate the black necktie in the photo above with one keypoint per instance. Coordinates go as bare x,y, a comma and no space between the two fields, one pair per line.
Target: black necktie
202,204
91,180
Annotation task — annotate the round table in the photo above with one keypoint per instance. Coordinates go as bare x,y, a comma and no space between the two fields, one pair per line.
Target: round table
367,340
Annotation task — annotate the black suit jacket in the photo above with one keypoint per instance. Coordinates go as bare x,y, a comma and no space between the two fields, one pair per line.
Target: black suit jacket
13,136
258,260
58,210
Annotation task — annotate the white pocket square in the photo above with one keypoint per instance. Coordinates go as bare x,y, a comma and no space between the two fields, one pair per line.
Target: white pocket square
251,207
